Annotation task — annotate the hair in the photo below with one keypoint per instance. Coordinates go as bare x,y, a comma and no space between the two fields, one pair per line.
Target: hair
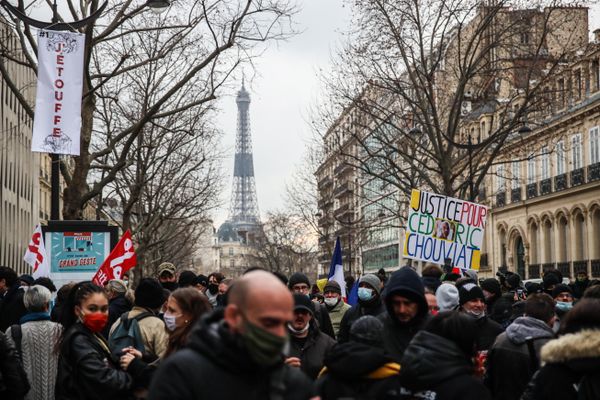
584,315
78,293
45,282
63,292
9,276
432,271
36,298
281,277
116,286
218,276
193,303
592,292
457,327
540,306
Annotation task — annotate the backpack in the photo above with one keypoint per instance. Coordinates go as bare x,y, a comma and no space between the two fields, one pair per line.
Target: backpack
127,334
17,337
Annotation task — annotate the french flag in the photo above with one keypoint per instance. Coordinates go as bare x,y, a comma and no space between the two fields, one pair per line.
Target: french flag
336,270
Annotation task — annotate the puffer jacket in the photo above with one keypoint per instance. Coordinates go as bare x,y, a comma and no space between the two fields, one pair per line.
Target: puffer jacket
433,367
571,369
216,366
510,364
312,351
87,370
336,314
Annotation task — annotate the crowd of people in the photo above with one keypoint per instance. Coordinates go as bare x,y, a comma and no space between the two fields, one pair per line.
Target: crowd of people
436,336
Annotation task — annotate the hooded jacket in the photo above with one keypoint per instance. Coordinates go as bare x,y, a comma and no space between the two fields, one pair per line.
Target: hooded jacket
217,366
510,364
358,371
397,335
312,352
571,369
433,367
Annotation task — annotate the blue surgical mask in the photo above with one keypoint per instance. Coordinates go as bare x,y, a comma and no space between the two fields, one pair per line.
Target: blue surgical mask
563,305
365,294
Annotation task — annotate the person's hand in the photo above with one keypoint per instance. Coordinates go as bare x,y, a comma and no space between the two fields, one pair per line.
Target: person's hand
293,362
132,351
125,360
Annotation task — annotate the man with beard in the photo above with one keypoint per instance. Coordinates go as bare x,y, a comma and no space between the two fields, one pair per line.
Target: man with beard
407,311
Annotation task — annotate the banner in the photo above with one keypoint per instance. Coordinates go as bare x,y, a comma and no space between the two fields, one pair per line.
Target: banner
57,122
121,259
441,227
35,254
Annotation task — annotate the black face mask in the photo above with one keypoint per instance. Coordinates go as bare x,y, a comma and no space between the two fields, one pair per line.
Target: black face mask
169,285
213,288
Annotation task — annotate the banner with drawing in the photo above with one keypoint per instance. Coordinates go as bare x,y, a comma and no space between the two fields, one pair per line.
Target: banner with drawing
440,227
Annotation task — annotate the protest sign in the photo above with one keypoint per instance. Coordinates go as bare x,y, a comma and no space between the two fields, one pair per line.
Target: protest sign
440,227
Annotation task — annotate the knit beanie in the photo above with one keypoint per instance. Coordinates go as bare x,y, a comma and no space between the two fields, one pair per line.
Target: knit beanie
468,292
471,274
149,294
296,278
493,286
373,281
332,286
447,297
367,330
558,289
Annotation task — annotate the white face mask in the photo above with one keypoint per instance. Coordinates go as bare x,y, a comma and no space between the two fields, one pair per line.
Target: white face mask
331,301
298,332
170,321
475,314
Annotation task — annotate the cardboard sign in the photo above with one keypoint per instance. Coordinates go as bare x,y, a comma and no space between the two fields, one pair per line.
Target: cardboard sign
440,227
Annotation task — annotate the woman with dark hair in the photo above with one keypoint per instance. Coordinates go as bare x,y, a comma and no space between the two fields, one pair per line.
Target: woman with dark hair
86,369
572,362
438,361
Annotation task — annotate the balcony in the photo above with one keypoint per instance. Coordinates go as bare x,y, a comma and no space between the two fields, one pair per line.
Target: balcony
515,195
532,190
577,177
346,187
325,221
546,186
595,268
593,172
341,211
324,203
560,182
325,182
579,266
501,199
340,169
564,268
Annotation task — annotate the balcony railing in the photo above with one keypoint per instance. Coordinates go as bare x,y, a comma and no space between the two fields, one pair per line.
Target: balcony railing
325,182
534,271
342,210
579,266
532,190
564,268
577,177
344,188
501,199
515,195
548,266
593,173
546,186
595,268
340,169
560,182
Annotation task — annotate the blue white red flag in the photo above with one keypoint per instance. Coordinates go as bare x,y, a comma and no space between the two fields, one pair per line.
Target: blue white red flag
336,270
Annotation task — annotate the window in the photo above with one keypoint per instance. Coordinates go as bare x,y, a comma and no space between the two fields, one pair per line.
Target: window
561,92
531,171
231,251
524,37
578,84
516,174
560,158
500,178
545,163
576,151
594,146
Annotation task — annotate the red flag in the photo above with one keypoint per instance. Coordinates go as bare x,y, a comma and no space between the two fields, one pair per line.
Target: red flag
120,260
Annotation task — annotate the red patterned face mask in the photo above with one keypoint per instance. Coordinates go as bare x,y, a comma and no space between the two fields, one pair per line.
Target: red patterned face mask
95,322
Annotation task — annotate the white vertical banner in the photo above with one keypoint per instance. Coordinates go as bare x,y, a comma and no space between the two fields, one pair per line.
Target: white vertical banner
57,123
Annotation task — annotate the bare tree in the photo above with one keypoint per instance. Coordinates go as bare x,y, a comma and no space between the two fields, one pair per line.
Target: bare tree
195,47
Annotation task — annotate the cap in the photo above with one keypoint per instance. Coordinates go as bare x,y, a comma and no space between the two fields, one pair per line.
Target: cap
302,302
332,286
166,267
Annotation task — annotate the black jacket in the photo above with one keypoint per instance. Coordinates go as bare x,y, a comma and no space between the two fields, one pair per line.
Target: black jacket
86,369
355,371
433,367
216,366
488,332
322,318
13,379
372,307
571,369
312,352
116,307
510,364
12,307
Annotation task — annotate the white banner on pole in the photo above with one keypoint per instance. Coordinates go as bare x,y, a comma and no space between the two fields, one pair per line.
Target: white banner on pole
57,123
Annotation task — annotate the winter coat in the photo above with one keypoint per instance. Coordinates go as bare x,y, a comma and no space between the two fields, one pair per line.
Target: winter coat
312,351
510,364
39,355
322,318
356,371
116,307
216,366
86,369
571,369
12,307
579,287
13,380
433,367
372,307
336,314
488,332
153,332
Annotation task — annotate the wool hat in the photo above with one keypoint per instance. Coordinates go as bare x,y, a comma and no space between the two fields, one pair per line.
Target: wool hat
166,267
471,274
367,330
533,287
27,278
469,291
186,278
302,302
149,293
201,280
493,286
447,297
332,286
373,281
296,278
558,289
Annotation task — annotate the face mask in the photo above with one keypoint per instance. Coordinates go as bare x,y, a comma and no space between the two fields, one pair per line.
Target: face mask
365,294
563,305
331,302
263,347
475,314
213,288
170,321
95,322
298,332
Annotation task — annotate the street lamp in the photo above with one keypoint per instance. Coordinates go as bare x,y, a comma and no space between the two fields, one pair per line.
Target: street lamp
158,6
